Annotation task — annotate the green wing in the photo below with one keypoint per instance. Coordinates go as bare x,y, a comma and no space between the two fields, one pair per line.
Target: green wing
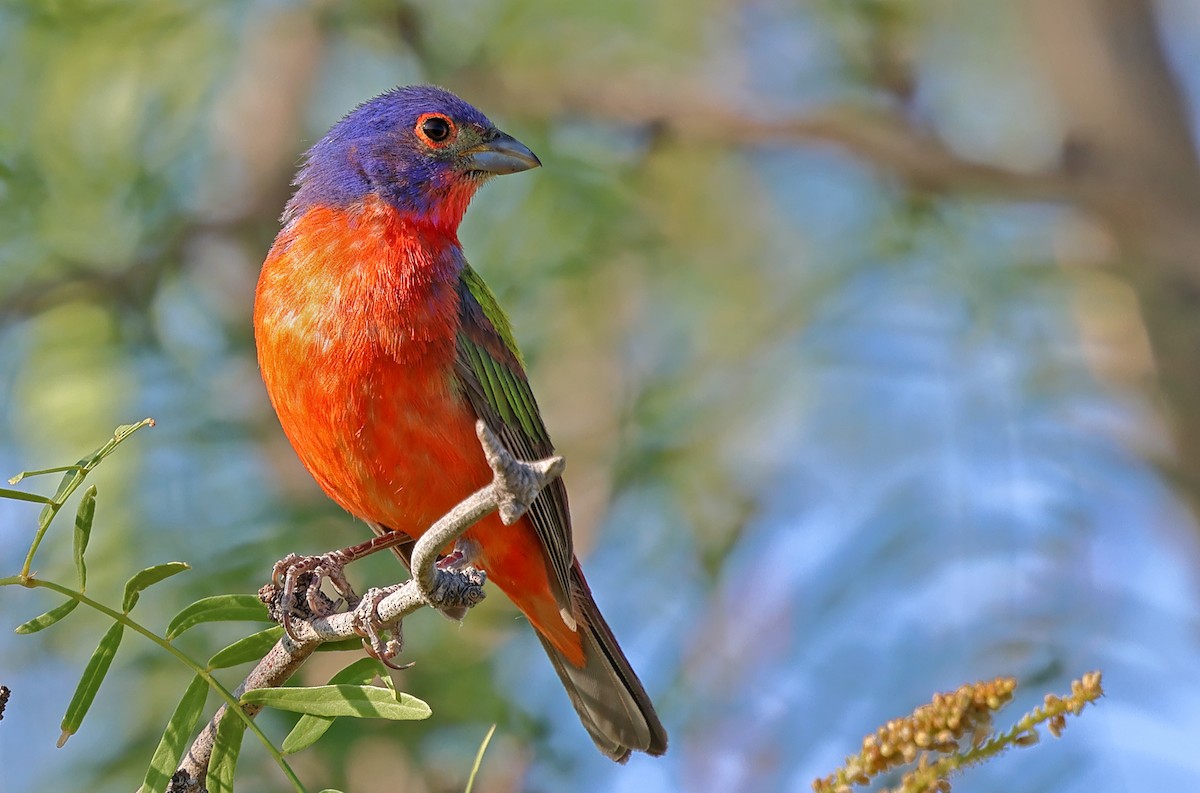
489,369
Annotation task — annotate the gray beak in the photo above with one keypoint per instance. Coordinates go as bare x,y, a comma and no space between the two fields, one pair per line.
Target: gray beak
502,154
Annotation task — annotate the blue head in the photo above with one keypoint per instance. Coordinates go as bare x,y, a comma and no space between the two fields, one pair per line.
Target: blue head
419,148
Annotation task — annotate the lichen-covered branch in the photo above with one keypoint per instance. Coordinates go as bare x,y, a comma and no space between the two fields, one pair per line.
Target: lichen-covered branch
515,485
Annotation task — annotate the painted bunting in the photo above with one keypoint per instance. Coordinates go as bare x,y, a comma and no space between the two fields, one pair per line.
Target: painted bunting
380,347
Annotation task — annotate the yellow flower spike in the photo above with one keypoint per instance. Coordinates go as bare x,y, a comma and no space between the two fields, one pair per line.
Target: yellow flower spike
931,737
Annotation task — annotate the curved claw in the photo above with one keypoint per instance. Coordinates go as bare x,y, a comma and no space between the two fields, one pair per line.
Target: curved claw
372,629
295,574
385,659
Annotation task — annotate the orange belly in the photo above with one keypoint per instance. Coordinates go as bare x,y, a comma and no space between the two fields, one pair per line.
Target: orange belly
401,453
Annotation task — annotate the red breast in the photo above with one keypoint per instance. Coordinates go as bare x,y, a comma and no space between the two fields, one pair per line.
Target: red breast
356,318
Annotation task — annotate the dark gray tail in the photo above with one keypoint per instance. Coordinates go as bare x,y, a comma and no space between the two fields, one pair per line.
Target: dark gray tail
610,700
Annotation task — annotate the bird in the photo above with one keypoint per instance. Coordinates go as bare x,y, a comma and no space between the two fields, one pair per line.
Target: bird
381,347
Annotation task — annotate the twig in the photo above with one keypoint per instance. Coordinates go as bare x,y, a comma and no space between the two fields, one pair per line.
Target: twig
515,485
883,137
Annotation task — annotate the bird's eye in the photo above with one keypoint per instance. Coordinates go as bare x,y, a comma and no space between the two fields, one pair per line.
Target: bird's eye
435,129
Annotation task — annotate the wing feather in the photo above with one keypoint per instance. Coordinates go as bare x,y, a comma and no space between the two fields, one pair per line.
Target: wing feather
492,377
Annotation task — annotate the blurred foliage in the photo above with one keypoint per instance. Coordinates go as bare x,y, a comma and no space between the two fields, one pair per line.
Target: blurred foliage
834,442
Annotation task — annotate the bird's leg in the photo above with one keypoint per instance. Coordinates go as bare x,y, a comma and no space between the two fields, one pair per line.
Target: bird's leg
294,574
461,558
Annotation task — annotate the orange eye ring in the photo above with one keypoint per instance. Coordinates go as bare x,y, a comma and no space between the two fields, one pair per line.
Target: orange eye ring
435,130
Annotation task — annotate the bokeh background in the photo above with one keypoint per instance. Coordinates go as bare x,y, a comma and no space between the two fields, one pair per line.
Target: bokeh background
870,330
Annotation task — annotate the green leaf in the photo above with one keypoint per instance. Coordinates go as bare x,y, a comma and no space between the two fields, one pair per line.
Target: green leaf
310,728
56,470
218,608
71,480
125,430
226,747
341,700
361,672
93,675
148,578
43,621
249,648
340,646
479,758
21,495
120,434
175,737
83,532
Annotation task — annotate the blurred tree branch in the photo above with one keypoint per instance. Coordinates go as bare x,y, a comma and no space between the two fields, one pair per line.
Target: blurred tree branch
514,486
1128,159
883,137
1135,162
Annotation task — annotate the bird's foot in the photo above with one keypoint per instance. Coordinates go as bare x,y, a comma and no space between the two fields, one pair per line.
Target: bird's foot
456,591
461,558
381,640
460,584
295,576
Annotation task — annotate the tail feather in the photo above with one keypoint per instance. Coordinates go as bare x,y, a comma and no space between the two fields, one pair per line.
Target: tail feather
606,692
